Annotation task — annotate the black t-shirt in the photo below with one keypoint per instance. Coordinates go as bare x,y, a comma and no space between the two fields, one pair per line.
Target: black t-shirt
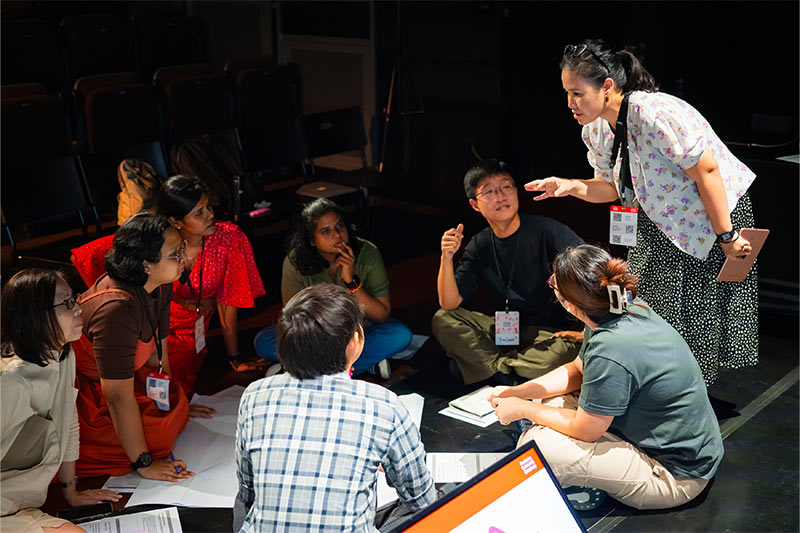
542,239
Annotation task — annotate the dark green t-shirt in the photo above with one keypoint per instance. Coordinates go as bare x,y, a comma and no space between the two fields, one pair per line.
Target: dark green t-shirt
639,370
369,268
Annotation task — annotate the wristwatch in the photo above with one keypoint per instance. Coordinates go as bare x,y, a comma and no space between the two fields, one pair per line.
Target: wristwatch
143,461
728,236
354,283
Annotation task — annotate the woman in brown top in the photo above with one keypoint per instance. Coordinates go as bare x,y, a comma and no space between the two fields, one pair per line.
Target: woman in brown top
126,322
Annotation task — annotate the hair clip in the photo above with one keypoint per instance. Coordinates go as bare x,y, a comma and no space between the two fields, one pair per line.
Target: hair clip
619,303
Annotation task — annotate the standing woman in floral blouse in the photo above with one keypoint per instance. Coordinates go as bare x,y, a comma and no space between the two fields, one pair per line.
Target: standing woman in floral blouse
691,193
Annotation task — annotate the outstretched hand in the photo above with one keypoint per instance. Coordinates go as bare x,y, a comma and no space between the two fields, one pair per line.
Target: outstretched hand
551,187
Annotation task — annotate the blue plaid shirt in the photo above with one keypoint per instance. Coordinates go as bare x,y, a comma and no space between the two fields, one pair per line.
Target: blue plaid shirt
308,452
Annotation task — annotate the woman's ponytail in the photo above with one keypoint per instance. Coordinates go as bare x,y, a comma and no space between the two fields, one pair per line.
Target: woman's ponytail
637,78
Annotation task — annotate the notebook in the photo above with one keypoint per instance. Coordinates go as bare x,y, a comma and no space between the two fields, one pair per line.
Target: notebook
475,403
516,494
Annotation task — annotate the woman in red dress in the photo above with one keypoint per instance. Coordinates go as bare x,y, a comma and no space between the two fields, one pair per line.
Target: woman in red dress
126,319
223,277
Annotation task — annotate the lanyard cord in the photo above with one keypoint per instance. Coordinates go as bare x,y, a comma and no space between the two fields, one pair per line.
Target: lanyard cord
513,263
154,324
621,143
200,287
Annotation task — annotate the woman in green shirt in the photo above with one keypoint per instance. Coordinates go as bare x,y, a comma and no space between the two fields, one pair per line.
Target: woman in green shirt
322,251
630,415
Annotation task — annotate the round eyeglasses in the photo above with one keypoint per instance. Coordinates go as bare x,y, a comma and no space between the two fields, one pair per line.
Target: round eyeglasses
69,303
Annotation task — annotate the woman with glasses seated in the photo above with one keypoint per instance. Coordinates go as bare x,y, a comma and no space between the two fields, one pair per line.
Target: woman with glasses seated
630,415
39,432
656,152
321,250
224,277
126,322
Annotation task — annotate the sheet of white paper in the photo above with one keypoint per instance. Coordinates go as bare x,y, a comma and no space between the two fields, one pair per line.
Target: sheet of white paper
386,494
207,448
127,483
416,343
157,521
459,467
475,403
414,403
458,414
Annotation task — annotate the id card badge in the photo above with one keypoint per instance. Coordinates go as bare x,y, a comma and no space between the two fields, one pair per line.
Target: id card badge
506,328
622,229
157,386
199,334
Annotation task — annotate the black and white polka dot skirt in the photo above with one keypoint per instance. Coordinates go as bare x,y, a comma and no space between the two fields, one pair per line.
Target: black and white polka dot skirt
718,320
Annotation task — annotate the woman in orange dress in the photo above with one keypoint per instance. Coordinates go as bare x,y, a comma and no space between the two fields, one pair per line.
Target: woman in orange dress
126,320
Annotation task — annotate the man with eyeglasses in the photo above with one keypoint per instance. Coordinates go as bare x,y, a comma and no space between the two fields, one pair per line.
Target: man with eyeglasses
511,258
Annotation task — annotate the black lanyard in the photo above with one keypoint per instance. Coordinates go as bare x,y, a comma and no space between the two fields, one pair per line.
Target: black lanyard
154,324
513,263
200,287
621,143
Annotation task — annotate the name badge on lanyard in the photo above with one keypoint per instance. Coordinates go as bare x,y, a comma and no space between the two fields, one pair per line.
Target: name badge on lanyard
199,334
506,323
622,227
158,390
200,323
506,328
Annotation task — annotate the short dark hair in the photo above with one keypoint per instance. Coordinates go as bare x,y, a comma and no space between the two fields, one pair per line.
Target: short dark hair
30,327
178,196
582,274
483,169
302,252
139,239
314,328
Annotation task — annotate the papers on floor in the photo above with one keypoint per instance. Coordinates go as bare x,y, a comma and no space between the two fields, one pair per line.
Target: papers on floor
458,467
416,343
157,521
445,468
127,483
207,448
472,408
414,403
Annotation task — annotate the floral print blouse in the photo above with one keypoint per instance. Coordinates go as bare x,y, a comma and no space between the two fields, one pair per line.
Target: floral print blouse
666,136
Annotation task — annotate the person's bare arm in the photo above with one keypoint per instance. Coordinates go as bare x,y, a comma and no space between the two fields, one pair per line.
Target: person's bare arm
449,297
706,175
593,190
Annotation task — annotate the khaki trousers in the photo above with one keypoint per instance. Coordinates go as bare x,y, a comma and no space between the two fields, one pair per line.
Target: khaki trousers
468,338
611,464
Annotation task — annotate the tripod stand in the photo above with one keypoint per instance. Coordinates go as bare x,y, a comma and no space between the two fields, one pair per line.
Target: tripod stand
400,68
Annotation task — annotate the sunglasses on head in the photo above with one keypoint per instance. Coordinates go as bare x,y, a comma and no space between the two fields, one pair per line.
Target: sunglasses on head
579,49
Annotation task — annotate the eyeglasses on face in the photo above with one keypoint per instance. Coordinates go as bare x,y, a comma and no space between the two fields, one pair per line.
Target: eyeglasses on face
501,190
69,303
181,253
579,49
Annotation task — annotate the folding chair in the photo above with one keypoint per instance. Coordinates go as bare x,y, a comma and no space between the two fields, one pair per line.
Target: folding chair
341,131
164,40
122,121
31,52
96,44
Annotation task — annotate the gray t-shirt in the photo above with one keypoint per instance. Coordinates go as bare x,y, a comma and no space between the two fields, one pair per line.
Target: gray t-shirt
639,370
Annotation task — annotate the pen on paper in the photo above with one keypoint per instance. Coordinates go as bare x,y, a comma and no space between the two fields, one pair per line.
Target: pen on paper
172,458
